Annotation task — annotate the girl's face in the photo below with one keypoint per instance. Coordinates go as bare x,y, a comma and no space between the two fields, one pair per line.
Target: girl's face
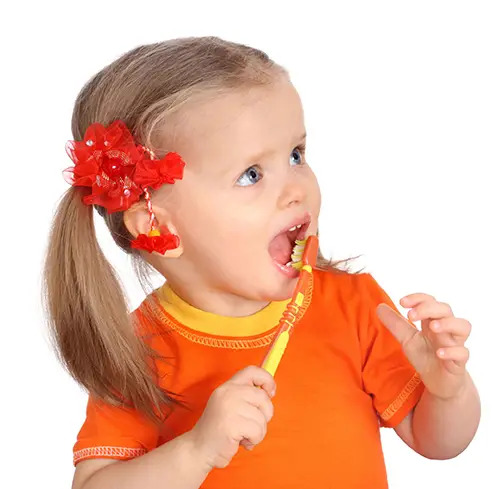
245,181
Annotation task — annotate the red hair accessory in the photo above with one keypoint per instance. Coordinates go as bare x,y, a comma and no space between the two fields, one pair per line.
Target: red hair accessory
118,172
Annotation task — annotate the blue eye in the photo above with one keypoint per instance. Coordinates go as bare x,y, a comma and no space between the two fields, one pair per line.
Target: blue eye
252,175
249,176
301,151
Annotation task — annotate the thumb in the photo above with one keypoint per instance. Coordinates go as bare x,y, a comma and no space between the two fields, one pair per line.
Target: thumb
398,326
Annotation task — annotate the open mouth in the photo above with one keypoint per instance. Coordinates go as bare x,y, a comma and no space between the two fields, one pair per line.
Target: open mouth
282,245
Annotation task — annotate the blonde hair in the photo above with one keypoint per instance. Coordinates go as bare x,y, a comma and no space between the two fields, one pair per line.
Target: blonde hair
93,333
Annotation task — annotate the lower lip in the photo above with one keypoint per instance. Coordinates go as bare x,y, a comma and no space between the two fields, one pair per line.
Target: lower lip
287,271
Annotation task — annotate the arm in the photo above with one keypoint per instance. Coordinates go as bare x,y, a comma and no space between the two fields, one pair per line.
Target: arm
447,415
174,465
442,428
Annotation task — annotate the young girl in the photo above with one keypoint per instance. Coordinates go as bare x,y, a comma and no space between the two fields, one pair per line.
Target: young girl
192,150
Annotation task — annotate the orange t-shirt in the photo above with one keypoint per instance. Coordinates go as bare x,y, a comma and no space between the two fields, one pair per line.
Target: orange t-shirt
343,375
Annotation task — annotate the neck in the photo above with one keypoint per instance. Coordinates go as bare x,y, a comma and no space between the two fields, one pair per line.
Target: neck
216,301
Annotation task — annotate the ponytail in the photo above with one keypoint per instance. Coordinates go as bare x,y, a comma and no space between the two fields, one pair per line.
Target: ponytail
89,323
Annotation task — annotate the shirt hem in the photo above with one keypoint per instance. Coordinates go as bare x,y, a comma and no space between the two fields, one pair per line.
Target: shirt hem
121,453
403,403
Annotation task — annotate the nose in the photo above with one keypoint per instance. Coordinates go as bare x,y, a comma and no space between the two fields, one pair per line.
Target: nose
293,193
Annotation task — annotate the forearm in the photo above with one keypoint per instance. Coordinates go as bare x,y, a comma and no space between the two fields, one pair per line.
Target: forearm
441,428
173,465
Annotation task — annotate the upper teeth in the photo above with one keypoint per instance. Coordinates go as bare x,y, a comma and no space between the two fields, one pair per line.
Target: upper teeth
295,227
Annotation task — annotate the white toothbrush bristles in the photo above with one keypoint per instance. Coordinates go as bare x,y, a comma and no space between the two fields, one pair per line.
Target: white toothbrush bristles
298,251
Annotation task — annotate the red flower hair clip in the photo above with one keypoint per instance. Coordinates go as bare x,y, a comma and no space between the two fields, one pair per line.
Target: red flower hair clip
118,172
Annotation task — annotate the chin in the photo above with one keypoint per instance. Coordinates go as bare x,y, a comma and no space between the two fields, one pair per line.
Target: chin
281,290
266,283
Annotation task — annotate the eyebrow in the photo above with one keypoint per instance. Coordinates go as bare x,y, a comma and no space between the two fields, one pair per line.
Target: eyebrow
262,154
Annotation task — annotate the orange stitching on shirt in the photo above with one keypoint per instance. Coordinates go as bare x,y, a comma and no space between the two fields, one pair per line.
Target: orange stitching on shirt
402,397
107,452
233,344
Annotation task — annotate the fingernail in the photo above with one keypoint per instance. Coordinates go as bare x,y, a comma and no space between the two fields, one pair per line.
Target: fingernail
412,314
441,353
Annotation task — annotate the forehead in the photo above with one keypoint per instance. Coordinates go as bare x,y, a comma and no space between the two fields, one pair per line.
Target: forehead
230,128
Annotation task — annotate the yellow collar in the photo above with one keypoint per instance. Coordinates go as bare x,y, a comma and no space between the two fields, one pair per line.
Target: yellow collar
213,324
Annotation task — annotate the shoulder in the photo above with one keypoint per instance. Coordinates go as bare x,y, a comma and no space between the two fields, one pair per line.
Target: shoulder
353,296
152,328
344,285
362,285
146,318
337,295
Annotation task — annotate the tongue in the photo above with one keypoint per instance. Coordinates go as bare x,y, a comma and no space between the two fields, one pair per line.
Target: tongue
281,248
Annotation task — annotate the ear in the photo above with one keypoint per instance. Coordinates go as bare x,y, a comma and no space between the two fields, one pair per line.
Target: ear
136,220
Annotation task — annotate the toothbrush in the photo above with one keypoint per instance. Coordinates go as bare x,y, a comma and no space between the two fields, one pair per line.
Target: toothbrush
303,258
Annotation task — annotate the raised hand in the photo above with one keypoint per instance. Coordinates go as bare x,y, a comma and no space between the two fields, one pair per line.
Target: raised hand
437,351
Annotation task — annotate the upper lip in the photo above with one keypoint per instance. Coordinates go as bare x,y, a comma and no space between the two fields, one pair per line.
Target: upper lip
303,219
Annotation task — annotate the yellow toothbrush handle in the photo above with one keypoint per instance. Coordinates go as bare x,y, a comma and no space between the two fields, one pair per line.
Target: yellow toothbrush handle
278,348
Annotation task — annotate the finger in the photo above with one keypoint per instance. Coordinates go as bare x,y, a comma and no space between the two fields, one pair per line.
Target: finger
255,376
412,300
259,399
399,327
459,354
430,310
252,431
249,411
455,326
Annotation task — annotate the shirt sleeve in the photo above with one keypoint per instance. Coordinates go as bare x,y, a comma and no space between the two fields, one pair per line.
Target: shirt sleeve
114,432
388,376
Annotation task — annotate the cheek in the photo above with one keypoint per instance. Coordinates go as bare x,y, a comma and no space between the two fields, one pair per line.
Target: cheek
204,224
209,219
246,226
236,226
315,192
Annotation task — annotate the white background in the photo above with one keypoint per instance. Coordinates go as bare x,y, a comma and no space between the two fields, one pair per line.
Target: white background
399,103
